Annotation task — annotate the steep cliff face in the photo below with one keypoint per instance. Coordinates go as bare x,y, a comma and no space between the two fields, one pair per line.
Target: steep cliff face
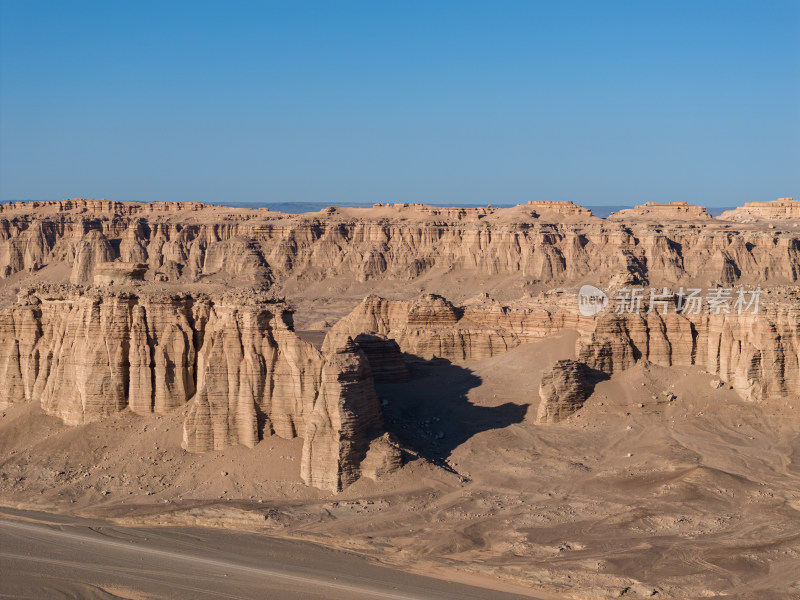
392,244
656,211
255,378
758,354
86,354
346,415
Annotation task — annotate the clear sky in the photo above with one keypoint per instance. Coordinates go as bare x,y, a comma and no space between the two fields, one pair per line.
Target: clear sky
599,102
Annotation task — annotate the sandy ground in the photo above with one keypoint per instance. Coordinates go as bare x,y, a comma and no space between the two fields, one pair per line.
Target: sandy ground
46,556
636,495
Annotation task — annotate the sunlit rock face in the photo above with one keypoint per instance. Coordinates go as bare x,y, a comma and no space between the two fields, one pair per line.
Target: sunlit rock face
345,414
232,361
755,353
529,244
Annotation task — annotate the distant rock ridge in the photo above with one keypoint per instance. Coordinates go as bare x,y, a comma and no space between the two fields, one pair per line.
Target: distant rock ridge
654,210
539,244
778,210
232,359
102,206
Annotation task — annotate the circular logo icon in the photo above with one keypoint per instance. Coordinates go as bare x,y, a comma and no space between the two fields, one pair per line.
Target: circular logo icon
591,300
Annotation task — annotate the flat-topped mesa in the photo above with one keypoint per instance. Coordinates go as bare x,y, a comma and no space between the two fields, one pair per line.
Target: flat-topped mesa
564,207
672,210
780,209
449,212
102,206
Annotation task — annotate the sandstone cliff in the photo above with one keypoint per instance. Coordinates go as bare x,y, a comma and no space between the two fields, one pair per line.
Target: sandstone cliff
758,354
233,360
777,210
346,414
672,211
531,245
432,326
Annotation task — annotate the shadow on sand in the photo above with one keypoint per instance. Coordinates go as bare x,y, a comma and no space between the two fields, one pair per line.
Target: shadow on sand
432,415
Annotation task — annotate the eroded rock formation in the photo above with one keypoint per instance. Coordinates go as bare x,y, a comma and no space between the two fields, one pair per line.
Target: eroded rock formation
563,390
757,353
539,244
345,416
671,211
85,354
233,363
431,326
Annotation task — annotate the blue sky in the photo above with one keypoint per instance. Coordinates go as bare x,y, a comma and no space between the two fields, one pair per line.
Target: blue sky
612,102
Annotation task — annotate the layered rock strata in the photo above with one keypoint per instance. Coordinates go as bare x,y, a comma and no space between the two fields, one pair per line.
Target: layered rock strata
431,326
758,354
673,210
385,358
564,388
780,209
538,244
345,416
232,360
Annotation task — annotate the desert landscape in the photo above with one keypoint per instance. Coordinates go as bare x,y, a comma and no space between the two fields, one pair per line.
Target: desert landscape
415,388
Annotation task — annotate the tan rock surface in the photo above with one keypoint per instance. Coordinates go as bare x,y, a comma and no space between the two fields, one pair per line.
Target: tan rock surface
563,390
89,354
780,209
661,460
432,326
346,415
512,250
757,353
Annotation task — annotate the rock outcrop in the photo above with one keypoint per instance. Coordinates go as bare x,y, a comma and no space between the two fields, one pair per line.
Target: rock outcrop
757,353
385,358
255,378
653,210
564,388
383,457
346,415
